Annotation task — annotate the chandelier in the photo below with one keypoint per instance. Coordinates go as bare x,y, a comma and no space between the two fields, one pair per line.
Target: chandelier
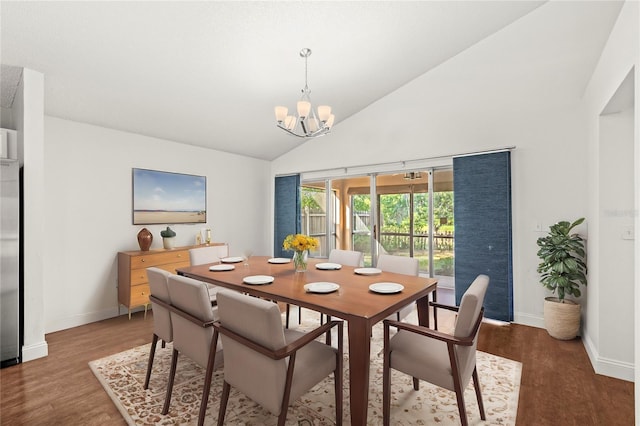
306,124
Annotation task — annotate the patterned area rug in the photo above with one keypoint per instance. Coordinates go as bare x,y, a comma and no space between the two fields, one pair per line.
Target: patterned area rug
122,375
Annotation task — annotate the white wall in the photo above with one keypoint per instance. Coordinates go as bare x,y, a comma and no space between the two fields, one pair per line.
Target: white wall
613,143
87,213
616,260
482,100
6,118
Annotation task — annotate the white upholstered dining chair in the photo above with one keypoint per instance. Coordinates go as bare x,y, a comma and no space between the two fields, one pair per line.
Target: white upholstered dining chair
208,254
192,318
347,257
162,329
447,361
269,364
399,265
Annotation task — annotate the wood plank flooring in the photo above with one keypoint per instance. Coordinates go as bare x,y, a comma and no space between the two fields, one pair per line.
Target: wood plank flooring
558,384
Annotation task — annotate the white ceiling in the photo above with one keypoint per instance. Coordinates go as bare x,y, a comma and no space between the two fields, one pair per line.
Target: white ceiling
210,73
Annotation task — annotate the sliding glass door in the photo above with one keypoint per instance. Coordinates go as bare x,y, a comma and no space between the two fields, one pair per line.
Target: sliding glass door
403,214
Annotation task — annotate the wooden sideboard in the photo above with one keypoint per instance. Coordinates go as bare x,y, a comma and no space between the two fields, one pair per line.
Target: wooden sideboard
133,284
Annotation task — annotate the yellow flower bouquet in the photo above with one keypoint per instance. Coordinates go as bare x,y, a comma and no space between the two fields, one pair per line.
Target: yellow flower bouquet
300,244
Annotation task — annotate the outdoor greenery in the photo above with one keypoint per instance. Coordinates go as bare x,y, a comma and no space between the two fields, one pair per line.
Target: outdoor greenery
310,198
395,224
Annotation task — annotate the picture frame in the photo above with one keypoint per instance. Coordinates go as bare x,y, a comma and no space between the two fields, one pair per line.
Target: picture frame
161,197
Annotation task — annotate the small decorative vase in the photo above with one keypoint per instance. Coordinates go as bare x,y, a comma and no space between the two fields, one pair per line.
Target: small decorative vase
145,238
300,260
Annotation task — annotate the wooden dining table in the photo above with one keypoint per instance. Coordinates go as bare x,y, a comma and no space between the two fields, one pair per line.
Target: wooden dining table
353,302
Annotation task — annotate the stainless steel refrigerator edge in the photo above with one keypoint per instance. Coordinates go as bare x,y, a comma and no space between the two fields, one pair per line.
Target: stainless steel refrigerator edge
9,262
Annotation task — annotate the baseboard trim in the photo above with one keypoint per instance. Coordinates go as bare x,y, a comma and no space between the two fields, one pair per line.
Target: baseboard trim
528,319
35,351
78,320
607,366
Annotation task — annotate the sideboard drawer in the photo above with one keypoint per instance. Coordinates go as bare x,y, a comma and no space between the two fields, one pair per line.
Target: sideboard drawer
140,295
158,259
138,276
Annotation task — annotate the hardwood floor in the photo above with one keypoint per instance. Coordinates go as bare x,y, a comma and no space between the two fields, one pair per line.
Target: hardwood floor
558,385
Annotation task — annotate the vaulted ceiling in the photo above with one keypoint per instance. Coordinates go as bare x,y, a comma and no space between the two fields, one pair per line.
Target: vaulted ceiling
209,73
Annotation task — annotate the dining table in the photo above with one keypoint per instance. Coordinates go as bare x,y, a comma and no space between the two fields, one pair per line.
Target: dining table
343,292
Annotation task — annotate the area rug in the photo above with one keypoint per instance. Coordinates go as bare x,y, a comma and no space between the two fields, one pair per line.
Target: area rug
122,376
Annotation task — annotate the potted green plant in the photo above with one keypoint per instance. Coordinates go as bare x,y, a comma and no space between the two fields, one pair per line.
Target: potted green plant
563,270
168,237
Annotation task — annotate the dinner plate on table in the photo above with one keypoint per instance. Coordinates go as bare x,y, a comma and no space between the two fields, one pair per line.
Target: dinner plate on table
279,260
367,271
328,266
386,288
232,259
321,287
258,279
222,267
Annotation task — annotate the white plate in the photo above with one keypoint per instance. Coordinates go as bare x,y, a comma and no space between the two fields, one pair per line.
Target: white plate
386,287
367,271
279,260
258,279
222,267
321,287
328,266
232,259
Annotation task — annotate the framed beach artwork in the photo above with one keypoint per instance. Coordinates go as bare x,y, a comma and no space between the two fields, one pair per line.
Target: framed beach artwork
166,197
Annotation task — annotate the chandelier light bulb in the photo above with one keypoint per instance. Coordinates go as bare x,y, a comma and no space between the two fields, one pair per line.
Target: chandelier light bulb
329,123
303,108
324,111
313,124
281,113
290,122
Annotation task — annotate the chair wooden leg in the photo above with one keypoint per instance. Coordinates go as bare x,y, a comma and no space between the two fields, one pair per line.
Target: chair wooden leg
386,379
461,408
284,406
455,371
172,375
299,315
286,323
416,384
435,310
224,397
328,335
207,378
476,385
338,378
152,353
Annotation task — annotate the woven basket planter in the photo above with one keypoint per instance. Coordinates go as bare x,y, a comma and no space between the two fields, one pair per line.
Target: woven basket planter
562,320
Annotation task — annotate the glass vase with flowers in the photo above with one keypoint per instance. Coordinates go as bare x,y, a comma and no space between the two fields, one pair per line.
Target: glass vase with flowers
300,244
